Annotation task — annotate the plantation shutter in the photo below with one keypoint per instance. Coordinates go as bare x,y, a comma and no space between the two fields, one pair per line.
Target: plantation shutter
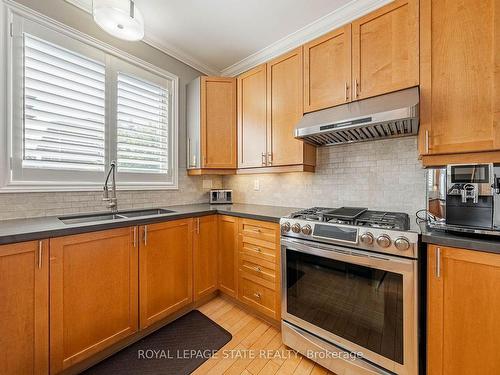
142,126
64,108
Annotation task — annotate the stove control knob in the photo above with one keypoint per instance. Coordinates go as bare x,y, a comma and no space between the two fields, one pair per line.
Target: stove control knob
307,230
366,238
285,227
384,241
402,243
296,228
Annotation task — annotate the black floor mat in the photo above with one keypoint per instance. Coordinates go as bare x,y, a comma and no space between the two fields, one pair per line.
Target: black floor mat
178,348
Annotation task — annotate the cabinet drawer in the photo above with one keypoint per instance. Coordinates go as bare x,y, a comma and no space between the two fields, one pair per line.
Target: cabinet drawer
262,269
260,230
258,296
259,249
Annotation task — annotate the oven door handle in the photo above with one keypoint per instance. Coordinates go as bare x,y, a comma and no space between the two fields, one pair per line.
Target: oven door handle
343,254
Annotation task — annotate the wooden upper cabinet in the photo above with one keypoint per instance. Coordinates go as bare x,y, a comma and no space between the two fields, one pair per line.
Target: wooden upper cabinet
252,118
218,122
205,251
327,70
93,294
460,80
284,110
463,332
165,269
24,308
385,49
228,250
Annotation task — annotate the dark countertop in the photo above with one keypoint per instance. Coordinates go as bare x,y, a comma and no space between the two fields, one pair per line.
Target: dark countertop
463,241
19,230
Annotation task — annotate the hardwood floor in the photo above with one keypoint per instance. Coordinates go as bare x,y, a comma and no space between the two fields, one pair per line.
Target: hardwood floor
255,348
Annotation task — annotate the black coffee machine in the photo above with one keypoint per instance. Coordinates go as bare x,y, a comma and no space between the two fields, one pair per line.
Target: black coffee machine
464,197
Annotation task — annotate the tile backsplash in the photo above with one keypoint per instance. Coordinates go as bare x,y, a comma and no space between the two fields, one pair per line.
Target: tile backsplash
384,175
22,205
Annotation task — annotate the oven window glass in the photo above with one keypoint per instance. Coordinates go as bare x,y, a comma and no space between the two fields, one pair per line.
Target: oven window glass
360,304
473,174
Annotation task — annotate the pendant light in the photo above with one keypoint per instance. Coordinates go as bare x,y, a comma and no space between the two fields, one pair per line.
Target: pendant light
120,18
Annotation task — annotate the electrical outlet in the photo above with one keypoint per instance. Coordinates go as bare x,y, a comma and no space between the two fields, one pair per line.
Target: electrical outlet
207,184
256,185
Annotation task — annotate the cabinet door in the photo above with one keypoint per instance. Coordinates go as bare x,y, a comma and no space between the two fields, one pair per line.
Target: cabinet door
252,118
385,50
24,308
284,109
327,70
460,78
93,294
228,260
218,122
165,269
463,310
205,256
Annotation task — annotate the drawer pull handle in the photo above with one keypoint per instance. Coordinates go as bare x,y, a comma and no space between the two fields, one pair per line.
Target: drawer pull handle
258,269
257,295
259,250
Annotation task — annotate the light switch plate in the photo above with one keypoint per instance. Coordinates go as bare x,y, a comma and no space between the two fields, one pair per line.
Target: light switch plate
256,185
207,184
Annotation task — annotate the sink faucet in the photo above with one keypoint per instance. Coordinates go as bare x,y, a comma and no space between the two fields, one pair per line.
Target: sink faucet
112,200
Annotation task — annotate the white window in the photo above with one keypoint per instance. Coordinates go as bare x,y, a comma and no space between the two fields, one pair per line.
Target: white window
77,106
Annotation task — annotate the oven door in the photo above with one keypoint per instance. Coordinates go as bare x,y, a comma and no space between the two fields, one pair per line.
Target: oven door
362,302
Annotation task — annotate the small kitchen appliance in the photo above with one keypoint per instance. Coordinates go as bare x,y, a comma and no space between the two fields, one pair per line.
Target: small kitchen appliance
464,198
220,196
350,289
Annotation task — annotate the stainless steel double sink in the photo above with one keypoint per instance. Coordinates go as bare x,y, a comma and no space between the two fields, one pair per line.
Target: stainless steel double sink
102,216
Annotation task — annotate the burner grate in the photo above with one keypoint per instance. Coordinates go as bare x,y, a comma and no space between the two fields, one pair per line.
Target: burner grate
386,220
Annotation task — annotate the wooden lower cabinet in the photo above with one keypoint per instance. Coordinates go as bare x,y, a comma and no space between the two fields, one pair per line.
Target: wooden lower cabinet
93,294
228,254
205,256
24,308
259,266
463,312
106,286
165,269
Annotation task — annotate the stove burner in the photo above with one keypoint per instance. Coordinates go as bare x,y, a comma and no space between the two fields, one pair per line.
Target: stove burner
355,216
385,220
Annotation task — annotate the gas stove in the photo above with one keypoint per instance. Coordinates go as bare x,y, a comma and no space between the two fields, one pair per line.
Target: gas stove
380,231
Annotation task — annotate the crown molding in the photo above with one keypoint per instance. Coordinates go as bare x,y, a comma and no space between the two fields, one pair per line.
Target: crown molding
341,16
161,46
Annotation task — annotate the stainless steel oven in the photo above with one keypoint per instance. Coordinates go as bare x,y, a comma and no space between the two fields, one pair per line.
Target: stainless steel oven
354,311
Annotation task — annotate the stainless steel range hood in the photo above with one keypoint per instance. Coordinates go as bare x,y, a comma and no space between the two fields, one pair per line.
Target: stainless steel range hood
385,116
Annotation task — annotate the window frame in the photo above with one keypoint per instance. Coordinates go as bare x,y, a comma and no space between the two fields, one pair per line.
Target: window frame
14,20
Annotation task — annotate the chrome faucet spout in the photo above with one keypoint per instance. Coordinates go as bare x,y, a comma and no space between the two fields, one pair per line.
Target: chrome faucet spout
112,200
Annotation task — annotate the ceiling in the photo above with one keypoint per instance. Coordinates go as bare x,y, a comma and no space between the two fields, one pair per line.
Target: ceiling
227,36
